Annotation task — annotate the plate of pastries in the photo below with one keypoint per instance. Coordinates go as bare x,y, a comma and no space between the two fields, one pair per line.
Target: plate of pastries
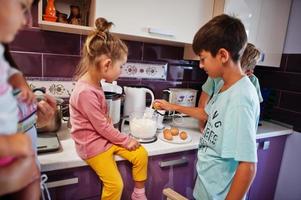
174,135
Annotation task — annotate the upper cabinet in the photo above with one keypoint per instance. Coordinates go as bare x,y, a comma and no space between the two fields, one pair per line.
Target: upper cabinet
169,21
265,22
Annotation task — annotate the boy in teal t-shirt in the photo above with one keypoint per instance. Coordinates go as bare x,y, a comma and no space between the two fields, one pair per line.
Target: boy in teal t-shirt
227,151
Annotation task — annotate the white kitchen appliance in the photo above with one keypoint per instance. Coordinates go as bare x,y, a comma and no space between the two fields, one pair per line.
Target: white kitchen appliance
135,99
113,94
182,96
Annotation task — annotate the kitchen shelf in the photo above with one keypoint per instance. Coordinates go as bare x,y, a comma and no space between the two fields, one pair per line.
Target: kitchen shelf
65,27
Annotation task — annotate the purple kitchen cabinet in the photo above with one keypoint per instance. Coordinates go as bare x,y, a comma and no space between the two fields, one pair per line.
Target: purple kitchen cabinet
269,152
73,183
175,170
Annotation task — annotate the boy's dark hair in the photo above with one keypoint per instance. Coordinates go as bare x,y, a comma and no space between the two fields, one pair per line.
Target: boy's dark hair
222,31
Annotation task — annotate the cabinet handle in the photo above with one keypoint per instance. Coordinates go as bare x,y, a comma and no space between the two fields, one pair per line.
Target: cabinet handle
170,163
266,145
60,183
160,32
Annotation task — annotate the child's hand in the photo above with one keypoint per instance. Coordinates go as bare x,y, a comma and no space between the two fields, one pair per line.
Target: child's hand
164,105
27,95
133,145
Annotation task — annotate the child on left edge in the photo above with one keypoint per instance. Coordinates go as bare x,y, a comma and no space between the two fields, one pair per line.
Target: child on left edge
96,140
18,157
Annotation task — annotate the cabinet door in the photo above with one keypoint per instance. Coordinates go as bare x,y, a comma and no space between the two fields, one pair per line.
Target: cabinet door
176,170
265,22
269,152
75,183
169,20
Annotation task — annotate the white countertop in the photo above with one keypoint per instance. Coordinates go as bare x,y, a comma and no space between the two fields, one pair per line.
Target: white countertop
67,157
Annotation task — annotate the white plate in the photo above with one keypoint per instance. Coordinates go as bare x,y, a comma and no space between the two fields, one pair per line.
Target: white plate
175,139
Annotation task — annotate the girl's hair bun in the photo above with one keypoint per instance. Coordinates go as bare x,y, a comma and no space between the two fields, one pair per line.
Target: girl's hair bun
102,25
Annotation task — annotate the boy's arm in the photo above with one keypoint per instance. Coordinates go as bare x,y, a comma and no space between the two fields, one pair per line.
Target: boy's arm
242,180
204,98
196,112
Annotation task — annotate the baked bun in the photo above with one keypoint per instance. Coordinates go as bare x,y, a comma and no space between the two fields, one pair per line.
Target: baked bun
183,135
167,134
174,131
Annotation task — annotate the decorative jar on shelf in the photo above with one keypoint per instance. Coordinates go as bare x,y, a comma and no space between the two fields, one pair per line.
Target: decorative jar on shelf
50,12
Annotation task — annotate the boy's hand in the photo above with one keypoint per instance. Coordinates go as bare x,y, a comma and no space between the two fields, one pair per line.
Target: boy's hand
27,95
133,145
164,105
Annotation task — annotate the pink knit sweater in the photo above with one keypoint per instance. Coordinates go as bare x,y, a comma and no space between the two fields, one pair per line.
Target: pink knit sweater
91,130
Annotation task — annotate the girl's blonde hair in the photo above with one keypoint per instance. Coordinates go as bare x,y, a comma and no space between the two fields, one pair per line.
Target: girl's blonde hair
100,42
250,57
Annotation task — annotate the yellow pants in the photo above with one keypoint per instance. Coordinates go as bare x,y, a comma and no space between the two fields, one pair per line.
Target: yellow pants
105,166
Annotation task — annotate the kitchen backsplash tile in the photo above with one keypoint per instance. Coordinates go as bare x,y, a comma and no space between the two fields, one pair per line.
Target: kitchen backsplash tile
290,101
283,63
195,85
287,116
176,72
279,80
186,72
62,89
153,52
144,70
135,50
286,85
293,63
34,40
59,65
29,63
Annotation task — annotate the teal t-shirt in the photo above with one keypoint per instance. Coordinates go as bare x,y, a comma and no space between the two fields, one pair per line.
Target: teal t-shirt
210,86
255,82
228,138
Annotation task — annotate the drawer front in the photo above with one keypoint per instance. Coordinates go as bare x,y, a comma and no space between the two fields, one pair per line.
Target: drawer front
75,183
